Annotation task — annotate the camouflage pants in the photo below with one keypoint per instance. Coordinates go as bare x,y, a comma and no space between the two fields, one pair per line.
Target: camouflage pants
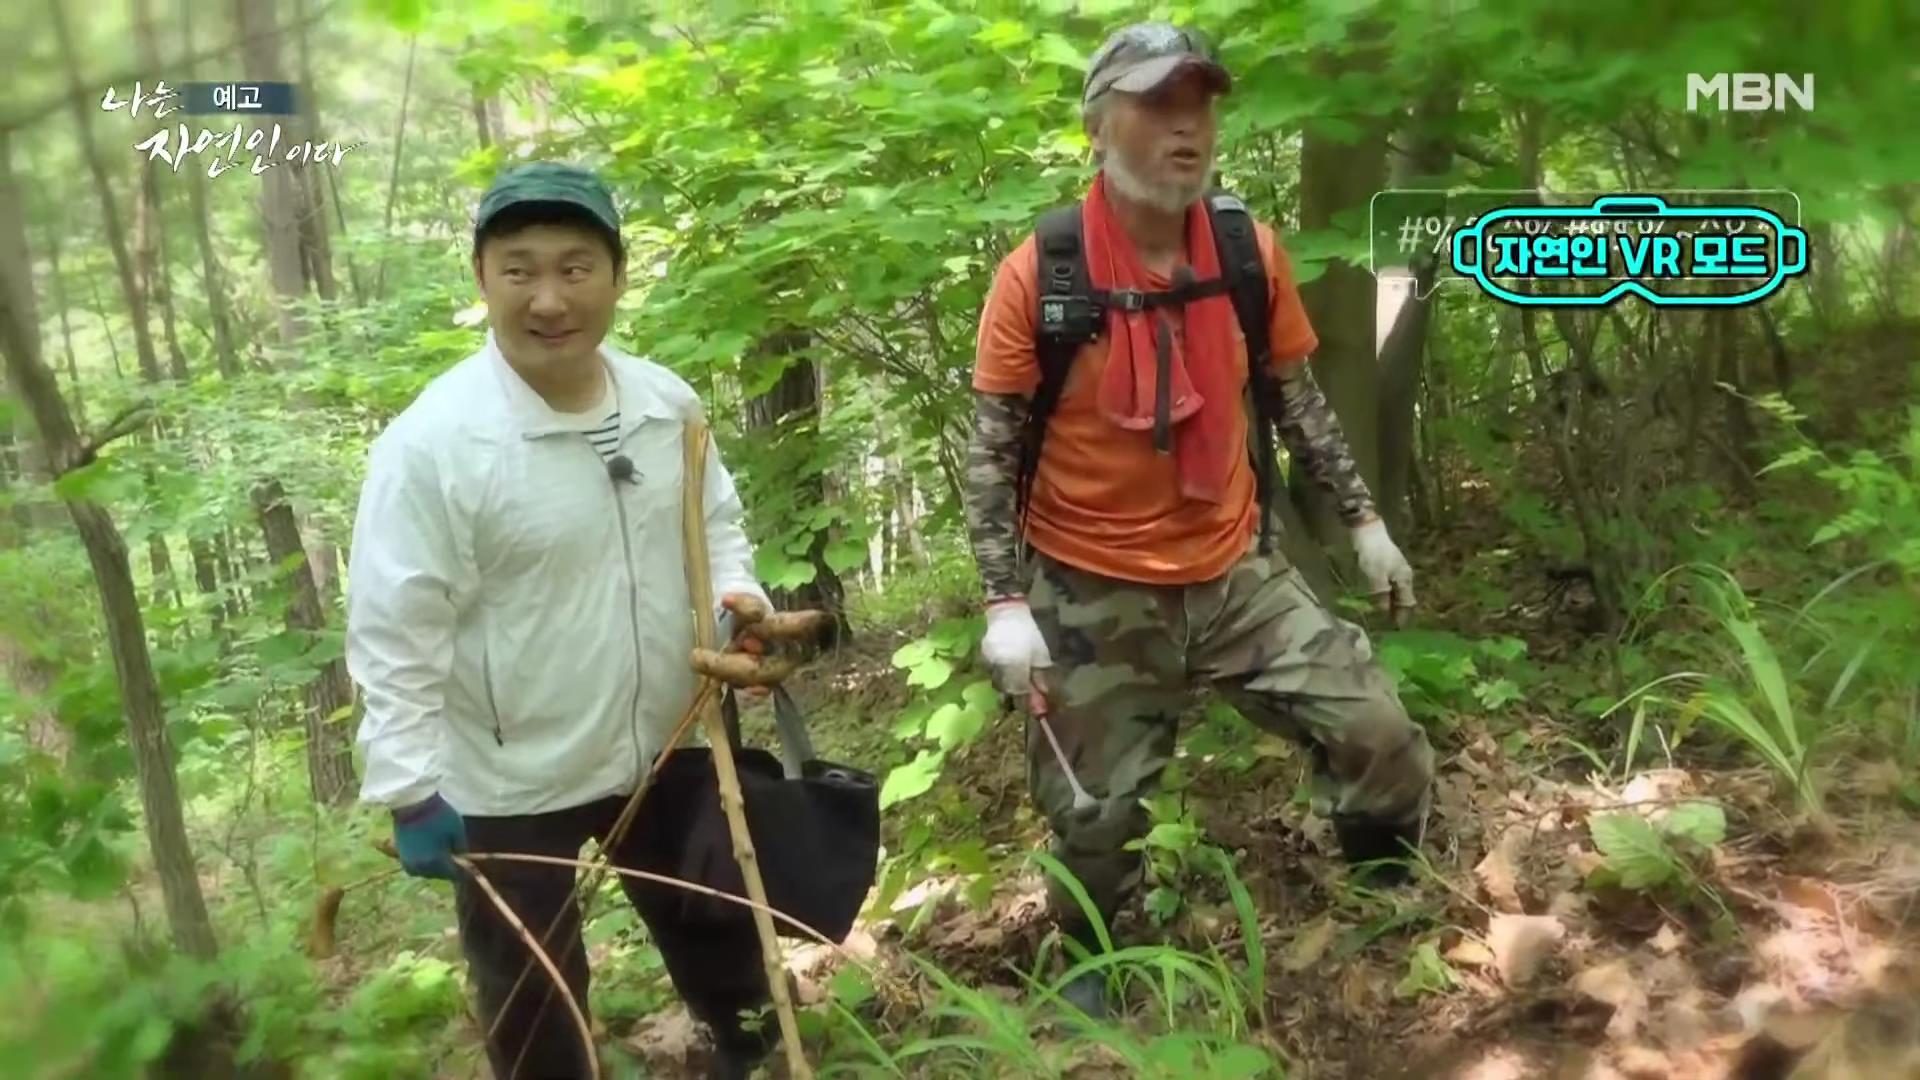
1126,659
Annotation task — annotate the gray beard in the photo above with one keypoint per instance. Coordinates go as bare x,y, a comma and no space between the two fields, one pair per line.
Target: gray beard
1170,198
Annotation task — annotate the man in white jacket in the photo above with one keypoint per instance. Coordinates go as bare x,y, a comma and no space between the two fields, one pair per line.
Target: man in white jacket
519,622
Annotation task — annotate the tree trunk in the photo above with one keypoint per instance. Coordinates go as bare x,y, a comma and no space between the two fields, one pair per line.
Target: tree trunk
287,214
790,412
1335,177
340,217
207,577
163,297
1403,351
59,283
107,552
160,561
233,605
393,173
315,241
150,269
1560,413
223,349
106,325
83,111
1826,279
31,676
1777,352
330,694
482,131
1741,463
282,198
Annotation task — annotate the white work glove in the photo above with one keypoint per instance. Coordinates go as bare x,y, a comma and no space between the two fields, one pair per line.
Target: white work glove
1389,575
1013,647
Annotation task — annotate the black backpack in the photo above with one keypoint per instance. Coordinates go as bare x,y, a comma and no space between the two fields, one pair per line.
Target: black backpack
1073,313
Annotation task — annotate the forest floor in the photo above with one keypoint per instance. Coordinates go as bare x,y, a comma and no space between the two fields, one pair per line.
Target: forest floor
1506,959
1751,960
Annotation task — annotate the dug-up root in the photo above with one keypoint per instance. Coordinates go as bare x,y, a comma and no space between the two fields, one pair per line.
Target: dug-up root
742,669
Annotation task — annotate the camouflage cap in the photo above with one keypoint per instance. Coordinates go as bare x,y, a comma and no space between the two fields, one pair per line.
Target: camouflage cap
1139,57
549,182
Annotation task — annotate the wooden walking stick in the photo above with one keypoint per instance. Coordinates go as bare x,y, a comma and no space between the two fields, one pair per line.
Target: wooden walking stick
693,519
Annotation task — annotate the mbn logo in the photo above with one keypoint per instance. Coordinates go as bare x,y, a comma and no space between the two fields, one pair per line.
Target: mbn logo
1752,91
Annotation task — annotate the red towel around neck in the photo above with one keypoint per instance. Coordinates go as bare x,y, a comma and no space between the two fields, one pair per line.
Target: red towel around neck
1200,383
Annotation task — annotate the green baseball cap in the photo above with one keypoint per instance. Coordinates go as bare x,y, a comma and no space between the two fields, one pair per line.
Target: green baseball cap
549,182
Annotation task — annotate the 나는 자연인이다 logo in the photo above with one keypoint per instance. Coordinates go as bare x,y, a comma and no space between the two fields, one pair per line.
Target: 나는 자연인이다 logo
245,104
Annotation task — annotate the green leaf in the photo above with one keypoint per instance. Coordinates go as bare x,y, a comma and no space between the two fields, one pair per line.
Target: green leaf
851,987
981,697
1056,49
1799,455
910,724
932,673
1173,835
955,637
793,575
845,554
152,1039
1702,822
1426,973
406,16
1498,693
83,482
913,653
1506,649
913,779
94,870
1162,904
952,725
1242,1062
1633,850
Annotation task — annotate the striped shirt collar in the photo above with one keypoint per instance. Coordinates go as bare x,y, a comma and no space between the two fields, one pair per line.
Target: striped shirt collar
634,399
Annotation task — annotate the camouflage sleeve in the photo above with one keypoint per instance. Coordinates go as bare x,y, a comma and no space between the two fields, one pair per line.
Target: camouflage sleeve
1312,435
993,463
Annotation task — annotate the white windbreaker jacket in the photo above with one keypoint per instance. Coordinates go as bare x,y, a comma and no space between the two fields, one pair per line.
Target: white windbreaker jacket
517,619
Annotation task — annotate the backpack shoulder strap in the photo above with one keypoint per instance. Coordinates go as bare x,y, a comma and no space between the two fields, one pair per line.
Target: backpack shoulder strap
1238,245
1239,248
1065,320
1061,325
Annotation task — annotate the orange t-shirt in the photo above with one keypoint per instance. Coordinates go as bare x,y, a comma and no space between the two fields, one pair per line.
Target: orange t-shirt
1103,499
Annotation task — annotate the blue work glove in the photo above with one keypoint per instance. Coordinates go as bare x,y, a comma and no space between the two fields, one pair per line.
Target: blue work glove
427,835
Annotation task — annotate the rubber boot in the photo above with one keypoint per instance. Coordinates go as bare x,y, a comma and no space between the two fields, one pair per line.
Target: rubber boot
1364,840
1087,992
736,1050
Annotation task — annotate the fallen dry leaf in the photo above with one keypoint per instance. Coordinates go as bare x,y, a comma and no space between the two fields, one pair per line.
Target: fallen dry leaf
1810,894
1799,1029
1667,940
1756,1004
1309,944
664,1037
1645,1063
1684,1021
1498,873
1471,952
1658,784
1520,943
1614,984
1567,906
1358,991
1500,1063
1880,777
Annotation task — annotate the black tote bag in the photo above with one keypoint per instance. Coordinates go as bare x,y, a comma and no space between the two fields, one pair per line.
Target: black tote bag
815,828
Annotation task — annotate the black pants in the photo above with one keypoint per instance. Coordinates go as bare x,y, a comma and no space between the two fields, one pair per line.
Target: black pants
715,965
